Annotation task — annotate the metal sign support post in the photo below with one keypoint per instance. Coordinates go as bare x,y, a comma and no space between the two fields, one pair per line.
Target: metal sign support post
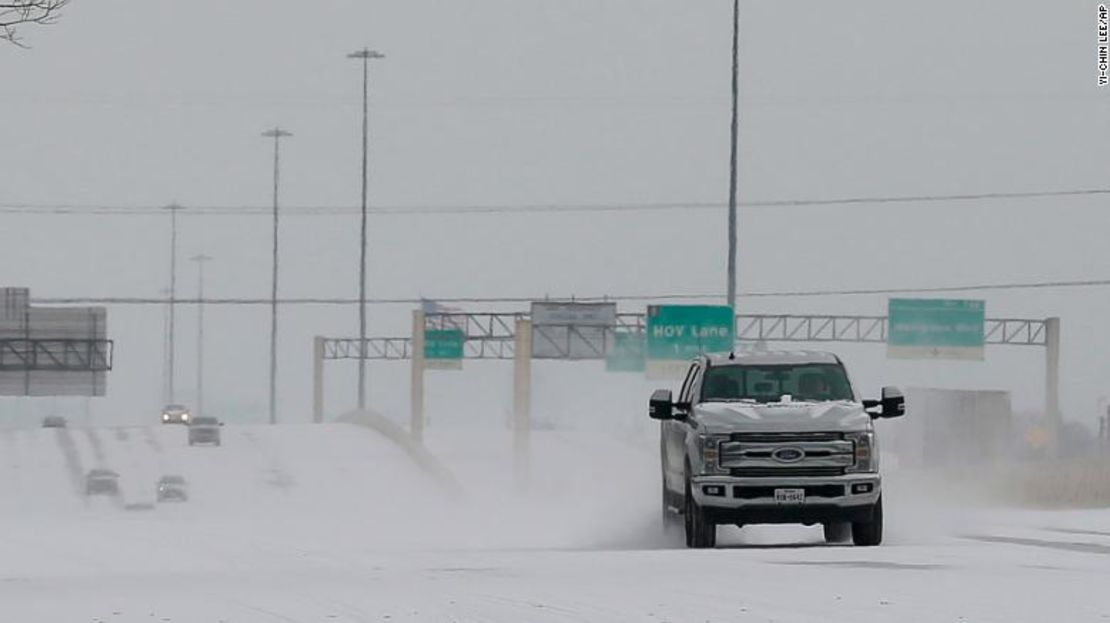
318,379
522,399
1052,381
416,418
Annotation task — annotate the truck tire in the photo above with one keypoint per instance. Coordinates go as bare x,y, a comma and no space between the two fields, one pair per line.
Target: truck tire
837,532
869,533
700,532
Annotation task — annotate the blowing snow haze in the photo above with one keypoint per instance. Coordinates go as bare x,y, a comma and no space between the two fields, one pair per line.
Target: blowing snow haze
524,151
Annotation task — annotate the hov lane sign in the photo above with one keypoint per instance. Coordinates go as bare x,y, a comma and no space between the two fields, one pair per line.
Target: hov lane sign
935,329
678,333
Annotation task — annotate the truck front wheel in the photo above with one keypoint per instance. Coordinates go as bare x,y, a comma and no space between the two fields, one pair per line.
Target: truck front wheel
700,532
869,533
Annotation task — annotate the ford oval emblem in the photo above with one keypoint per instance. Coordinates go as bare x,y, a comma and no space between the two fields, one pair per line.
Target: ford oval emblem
788,455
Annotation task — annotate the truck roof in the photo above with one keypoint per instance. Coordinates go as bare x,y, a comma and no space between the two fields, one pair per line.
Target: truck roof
772,357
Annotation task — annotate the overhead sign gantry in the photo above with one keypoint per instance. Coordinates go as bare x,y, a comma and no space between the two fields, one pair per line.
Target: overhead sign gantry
512,335
52,351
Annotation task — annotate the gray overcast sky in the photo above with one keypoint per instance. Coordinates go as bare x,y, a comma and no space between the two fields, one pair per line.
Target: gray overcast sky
507,102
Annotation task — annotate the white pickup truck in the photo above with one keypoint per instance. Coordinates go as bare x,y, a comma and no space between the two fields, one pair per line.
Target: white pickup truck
772,437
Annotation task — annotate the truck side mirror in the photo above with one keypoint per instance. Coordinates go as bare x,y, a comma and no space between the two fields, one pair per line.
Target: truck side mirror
661,406
893,403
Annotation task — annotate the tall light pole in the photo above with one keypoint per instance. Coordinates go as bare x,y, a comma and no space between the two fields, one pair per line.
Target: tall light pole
165,347
733,154
173,210
277,134
365,54
200,260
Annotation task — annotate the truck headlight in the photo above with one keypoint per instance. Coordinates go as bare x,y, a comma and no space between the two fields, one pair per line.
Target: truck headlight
709,449
866,455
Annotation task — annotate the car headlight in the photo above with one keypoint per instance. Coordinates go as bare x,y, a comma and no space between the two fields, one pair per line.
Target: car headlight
709,448
165,417
185,417
866,454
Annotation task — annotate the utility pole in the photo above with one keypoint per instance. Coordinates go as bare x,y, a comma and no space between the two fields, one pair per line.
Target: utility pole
733,155
366,54
173,209
277,134
200,260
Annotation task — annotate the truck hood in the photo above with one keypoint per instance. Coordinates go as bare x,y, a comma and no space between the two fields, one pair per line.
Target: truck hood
729,417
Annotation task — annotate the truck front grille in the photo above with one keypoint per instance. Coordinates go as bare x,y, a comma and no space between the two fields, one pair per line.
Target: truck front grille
786,454
771,472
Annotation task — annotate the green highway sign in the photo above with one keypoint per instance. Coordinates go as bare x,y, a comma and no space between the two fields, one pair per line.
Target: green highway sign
443,349
935,329
678,333
626,353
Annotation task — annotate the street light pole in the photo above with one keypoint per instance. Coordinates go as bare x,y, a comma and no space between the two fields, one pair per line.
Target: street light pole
365,54
277,134
165,292
733,154
200,260
173,210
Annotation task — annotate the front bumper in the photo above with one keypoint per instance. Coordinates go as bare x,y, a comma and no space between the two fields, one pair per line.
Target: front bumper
728,499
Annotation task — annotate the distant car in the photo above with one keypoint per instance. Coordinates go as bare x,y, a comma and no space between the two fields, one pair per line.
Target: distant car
173,489
204,429
53,421
101,482
176,414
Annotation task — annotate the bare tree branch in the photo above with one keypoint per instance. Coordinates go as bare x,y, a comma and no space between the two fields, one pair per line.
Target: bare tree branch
14,13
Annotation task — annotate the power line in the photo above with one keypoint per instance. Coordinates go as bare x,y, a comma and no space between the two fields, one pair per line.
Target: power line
595,298
422,210
939,289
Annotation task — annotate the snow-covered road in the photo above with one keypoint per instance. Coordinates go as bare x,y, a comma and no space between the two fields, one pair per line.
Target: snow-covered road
334,523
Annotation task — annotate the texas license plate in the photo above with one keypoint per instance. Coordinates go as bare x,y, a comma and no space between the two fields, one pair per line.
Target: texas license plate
790,496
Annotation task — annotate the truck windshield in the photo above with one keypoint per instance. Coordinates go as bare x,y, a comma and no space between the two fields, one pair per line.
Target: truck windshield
814,382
